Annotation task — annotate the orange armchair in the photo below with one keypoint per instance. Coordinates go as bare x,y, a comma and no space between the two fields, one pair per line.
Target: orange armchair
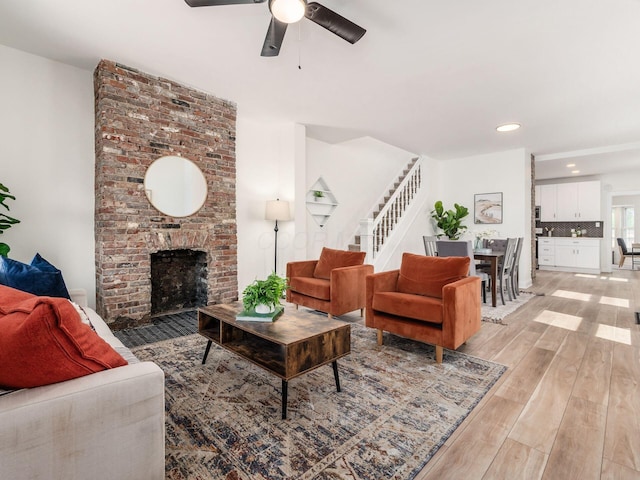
429,299
336,283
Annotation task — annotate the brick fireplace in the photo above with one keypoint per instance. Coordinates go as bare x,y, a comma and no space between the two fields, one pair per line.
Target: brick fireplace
139,118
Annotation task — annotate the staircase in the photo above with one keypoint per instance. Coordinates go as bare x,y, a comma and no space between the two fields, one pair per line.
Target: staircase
387,214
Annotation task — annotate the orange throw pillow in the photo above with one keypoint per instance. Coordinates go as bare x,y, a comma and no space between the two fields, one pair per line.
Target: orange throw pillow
43,341
330,259
422,275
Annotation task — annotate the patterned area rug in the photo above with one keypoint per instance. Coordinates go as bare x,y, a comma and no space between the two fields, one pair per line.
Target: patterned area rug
396,408
497,314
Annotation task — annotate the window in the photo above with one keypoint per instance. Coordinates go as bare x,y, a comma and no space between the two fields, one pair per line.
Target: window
622,222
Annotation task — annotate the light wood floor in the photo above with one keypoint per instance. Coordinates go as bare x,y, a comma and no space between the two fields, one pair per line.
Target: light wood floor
568,407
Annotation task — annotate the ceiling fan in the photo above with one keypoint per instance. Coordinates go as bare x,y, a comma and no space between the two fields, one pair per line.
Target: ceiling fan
284,12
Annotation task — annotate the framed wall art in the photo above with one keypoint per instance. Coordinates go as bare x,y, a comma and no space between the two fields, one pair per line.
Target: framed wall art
487,208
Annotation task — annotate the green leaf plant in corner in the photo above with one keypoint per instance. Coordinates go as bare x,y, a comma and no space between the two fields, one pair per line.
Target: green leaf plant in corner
267,292
450,221
6,221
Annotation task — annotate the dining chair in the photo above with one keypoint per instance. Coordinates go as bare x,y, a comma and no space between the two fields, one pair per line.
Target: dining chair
506,269
430,248
462,248
515,277
624,253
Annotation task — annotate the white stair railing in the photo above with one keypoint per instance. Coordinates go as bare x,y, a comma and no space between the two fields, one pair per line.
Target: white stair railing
374,232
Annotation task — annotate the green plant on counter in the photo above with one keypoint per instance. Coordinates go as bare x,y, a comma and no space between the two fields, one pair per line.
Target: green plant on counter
267,292
6,221
450,221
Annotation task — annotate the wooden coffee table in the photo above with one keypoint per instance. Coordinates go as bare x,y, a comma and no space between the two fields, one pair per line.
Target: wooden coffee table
292,345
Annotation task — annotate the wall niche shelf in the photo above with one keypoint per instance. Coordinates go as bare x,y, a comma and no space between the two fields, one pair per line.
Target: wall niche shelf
321,207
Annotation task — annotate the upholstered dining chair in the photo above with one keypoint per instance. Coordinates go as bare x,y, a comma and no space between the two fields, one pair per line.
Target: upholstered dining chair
335,283
462,248
624,253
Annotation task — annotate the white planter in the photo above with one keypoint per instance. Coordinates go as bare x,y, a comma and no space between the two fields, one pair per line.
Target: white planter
262,308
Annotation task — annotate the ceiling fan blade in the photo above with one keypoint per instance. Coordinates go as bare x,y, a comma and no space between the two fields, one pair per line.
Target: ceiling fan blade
333,22
215,3
274,38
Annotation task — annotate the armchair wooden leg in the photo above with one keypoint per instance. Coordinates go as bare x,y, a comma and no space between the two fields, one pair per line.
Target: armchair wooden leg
439,352
379,337
330,316
362,312
297,306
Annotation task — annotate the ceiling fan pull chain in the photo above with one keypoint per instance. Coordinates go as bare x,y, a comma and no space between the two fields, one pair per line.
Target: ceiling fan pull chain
299,46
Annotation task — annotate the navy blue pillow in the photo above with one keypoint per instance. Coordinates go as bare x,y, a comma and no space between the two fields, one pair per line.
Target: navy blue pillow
40,278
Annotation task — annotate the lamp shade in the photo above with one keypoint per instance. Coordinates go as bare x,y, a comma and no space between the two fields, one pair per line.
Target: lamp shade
277,210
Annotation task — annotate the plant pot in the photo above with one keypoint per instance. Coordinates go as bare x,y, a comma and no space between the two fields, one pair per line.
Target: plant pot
262,308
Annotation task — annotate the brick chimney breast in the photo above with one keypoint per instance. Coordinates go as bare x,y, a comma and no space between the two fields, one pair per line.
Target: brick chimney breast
139,118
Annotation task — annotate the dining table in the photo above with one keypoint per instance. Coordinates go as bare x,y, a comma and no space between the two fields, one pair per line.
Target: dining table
494,259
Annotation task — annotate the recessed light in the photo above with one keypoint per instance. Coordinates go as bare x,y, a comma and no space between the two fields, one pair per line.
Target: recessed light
508,127
569,165
575,171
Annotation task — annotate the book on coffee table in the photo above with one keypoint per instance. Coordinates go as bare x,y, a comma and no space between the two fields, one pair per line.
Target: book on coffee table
252,316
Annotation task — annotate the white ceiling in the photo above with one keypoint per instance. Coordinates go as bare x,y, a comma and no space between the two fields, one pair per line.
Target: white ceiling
431,77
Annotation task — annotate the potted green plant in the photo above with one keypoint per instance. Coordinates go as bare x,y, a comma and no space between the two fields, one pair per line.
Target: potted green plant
6,221
317,194
263,296
450,221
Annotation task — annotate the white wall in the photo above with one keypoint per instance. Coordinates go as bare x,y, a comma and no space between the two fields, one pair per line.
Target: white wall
47,161
508,172
358,172
266,162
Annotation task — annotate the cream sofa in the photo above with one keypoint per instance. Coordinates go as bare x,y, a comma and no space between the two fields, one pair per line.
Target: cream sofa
106,425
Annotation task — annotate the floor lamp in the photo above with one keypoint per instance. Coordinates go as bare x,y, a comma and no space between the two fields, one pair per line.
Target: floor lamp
277,210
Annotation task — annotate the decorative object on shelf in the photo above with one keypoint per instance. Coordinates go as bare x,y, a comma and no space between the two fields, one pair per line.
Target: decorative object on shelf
277,210
549,230
450,221
320,201
6,221
261,299
487,207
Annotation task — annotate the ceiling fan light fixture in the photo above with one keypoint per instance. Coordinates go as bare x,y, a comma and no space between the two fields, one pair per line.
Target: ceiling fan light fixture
288,11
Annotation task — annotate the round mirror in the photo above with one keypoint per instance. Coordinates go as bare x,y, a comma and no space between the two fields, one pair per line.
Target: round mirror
175,186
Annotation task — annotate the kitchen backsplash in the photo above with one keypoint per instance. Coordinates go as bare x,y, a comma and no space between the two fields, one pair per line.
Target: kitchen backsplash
563,229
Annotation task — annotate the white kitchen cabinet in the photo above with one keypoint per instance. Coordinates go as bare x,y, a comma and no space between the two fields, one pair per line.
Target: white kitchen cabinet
537,195
569,254
578,201
589,201
546,252
570,202
548,203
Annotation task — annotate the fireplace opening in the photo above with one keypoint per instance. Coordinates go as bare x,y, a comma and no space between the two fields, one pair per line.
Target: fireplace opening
178,281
